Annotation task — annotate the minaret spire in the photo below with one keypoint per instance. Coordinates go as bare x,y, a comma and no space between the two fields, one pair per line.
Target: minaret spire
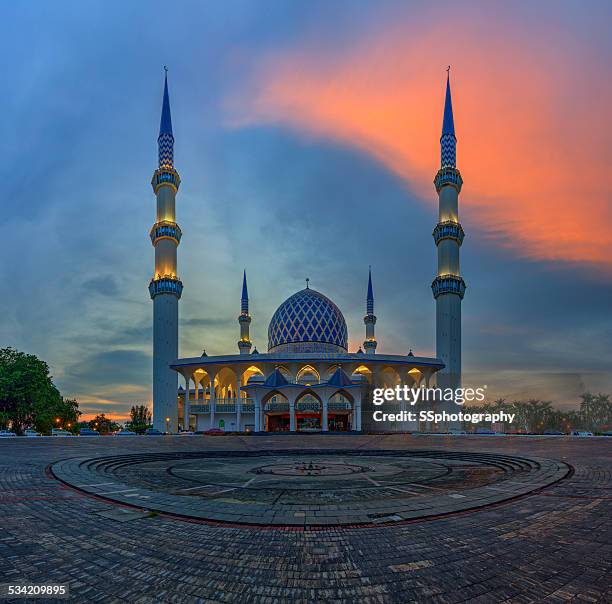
165,140
165,287
244,300
370,297
370,342
448,287
244,319
448,140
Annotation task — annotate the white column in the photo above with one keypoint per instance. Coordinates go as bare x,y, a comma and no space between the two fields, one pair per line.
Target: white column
292,413
212,400
257,411
324,421
357,411
238,400
186,403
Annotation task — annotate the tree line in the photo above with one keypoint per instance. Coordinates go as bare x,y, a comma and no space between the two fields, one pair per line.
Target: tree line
593,414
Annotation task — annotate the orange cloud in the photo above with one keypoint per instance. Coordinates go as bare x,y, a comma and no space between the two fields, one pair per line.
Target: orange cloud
531,113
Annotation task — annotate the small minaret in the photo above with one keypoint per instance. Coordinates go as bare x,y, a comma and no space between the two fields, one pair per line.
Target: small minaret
165,287
370,342
244,344
448,287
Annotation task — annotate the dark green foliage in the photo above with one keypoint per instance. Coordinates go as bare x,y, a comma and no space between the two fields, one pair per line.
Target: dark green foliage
595,414
140,419
28,397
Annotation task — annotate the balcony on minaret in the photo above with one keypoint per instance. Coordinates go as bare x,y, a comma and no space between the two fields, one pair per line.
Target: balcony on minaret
448,284
165,176
448,176
448,229
165,284
165,229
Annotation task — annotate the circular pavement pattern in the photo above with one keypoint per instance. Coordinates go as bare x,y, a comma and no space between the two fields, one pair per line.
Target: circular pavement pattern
314,488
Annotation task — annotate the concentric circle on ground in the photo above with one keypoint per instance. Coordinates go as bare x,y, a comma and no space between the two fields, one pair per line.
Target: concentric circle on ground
310,488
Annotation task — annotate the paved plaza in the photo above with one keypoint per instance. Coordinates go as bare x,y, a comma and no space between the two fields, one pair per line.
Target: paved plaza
309,518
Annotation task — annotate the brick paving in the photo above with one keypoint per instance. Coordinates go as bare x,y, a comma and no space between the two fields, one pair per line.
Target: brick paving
318,487
551,545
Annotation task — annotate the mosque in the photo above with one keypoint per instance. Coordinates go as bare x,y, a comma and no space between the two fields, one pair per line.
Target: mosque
308,380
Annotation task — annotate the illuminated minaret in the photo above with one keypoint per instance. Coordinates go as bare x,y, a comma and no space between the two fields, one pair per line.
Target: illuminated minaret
244,344
370,342
165,287
448,286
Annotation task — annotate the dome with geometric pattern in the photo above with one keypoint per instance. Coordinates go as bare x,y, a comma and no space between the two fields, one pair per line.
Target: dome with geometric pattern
308,321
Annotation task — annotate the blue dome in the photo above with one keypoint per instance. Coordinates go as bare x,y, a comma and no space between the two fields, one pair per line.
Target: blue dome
307,322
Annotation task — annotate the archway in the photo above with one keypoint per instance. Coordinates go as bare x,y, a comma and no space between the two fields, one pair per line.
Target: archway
340,411
307,376
276,412
308,412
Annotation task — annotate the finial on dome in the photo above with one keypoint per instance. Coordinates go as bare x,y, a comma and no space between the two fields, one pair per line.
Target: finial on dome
307,280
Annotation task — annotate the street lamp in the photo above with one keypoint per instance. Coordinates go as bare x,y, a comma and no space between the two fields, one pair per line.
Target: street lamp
167,424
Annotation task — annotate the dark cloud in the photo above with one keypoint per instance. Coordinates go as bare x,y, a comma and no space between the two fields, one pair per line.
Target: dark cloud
109,368
103,285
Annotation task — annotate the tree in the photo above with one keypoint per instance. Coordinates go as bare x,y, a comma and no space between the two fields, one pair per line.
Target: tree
28,397
140,419
64,410
537,413
596,410
103,424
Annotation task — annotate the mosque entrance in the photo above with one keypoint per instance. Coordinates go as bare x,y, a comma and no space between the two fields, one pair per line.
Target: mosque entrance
277,423
306,422
338,423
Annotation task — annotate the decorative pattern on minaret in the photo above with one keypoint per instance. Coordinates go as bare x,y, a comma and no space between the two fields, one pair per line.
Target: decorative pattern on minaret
165,140
448,141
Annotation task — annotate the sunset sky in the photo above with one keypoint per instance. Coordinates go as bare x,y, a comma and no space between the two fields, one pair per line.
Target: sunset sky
307,141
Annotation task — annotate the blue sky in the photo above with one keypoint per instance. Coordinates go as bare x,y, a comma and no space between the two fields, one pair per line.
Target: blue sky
286,198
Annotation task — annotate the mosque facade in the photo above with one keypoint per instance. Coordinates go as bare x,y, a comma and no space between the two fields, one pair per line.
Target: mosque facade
307,380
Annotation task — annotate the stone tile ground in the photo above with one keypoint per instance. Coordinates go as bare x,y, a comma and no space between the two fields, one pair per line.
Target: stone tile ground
550,546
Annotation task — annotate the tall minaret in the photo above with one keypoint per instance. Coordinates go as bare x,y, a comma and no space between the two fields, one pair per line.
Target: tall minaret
165,287
370,342
244,344
448,286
